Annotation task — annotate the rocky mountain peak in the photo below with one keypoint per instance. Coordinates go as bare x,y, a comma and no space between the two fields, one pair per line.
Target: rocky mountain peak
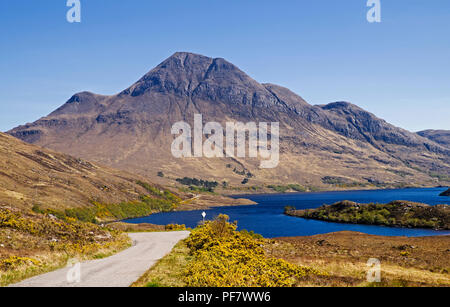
198,77
183,72
131,130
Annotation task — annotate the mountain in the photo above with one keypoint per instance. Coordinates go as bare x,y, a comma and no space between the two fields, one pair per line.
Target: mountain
30,175
441,137
335,144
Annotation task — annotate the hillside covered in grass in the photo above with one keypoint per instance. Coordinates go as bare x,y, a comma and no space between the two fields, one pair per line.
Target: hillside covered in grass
394,214
31,176
33,243
52,206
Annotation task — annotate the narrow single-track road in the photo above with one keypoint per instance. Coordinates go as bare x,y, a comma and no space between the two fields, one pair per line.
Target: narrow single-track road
120,270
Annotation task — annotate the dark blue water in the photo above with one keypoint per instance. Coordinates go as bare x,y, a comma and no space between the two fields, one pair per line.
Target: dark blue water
267,217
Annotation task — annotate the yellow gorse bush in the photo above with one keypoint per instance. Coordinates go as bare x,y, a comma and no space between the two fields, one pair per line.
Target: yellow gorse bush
224,257
175,227
14,261
46,226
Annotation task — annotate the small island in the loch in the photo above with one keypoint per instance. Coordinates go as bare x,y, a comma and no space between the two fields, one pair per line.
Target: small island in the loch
446,193
394,214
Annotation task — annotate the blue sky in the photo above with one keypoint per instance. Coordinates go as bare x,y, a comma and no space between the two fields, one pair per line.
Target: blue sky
324,50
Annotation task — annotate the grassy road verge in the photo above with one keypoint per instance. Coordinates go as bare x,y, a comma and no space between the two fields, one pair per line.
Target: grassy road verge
32,244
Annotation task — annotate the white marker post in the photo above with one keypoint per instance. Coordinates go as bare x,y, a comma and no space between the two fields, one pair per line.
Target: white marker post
204,215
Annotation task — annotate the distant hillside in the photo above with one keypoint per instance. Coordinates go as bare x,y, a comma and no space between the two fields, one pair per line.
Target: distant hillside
439,136
132,131
30,175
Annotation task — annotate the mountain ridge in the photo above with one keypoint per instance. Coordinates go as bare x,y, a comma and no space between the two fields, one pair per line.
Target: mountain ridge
30,175
441,137
120,130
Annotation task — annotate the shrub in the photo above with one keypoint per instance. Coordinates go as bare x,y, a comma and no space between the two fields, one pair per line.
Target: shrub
284,188
14,262
175,227
199,184
289,209
159,201
223,256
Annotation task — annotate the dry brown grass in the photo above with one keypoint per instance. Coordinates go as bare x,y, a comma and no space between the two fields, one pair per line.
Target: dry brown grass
168,271
125,227
405,261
